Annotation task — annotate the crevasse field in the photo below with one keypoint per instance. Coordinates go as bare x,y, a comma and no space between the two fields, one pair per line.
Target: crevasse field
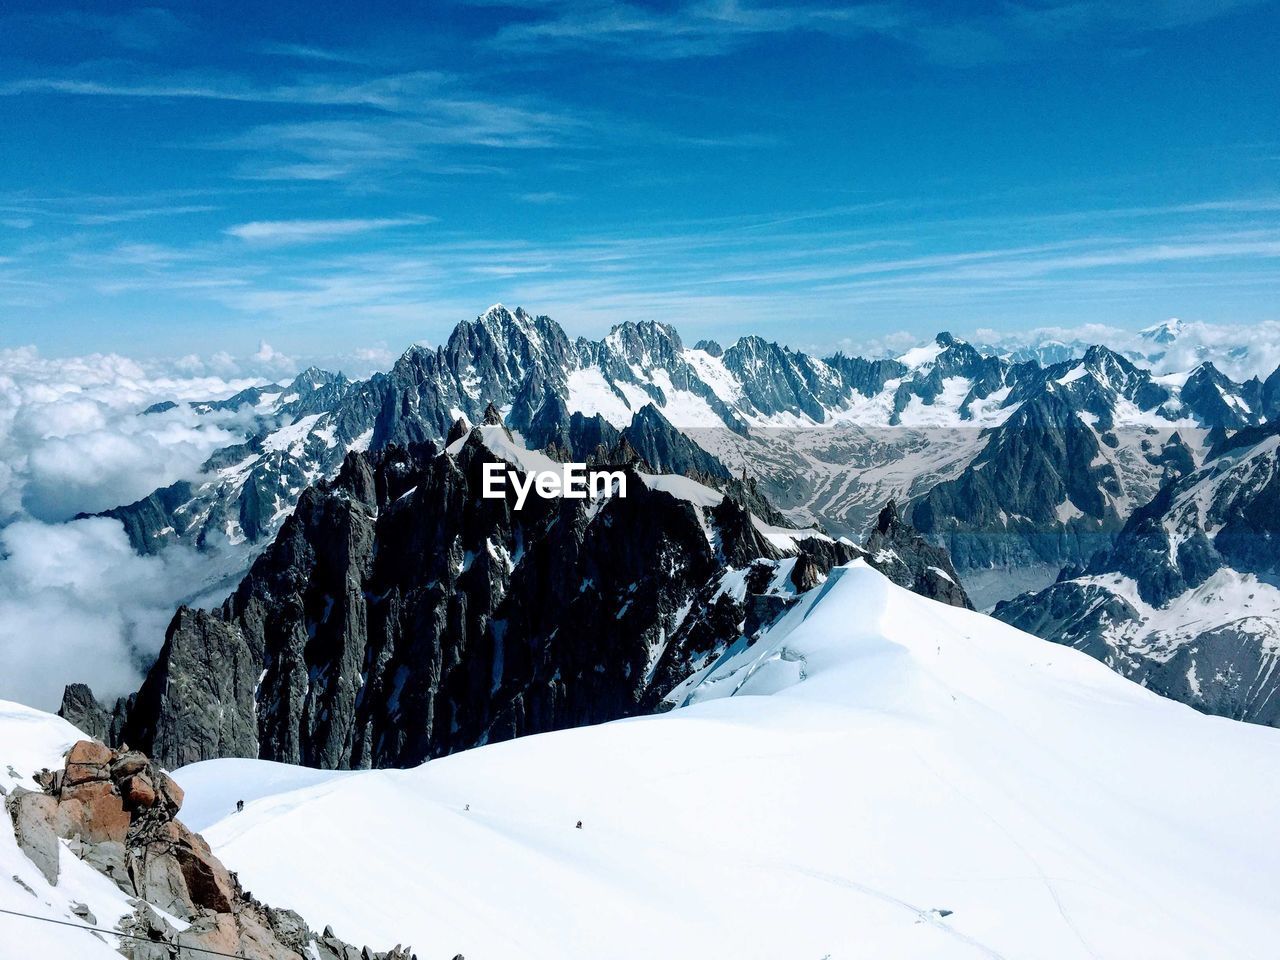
875,760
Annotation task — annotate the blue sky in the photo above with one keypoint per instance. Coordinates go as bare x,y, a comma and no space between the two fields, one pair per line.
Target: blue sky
199,177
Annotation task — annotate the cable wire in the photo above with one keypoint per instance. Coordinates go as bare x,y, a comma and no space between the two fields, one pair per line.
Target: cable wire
174,948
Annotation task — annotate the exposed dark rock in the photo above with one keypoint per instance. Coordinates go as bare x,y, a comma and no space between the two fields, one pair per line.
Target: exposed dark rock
805,574
724,619
400,616
1224,662
1006,508
709,346
1269,396
776,379
667,450
81,709
1046,488
910,561
35,816
1218,401
459,430
867,377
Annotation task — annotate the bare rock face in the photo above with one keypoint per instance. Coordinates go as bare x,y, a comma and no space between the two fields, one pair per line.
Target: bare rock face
35,816
117,812
82,710
400,616
899,552
138,791
97,809
87,762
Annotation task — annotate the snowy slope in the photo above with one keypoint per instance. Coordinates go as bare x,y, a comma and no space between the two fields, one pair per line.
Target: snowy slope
873,760
29,741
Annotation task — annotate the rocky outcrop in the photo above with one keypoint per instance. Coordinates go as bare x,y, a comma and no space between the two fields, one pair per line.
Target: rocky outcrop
909,560
117,812
667,450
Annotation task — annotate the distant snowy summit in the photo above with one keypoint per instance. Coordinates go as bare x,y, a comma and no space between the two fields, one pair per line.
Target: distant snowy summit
830,439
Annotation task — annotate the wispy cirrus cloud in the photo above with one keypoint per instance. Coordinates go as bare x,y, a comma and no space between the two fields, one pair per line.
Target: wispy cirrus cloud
313,231
959,37
300,51
687,30
366,123
760,272
400,92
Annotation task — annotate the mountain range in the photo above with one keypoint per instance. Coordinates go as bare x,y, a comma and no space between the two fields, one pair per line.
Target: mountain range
829,440
1019,473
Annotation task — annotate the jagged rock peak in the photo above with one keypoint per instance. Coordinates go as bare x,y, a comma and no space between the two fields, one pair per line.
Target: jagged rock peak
668,450
889,518
499,312
492,416
899,551
645,342
82,710
461,427
709,346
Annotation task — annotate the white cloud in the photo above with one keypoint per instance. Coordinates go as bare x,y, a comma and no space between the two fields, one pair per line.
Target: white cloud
961,38
77,604
73,438
311,231
1239,350
268,357
887,345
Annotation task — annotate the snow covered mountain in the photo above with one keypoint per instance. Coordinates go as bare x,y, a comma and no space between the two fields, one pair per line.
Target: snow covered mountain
829,441
878,775
399,615
1186,602
1014,468
1084,443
